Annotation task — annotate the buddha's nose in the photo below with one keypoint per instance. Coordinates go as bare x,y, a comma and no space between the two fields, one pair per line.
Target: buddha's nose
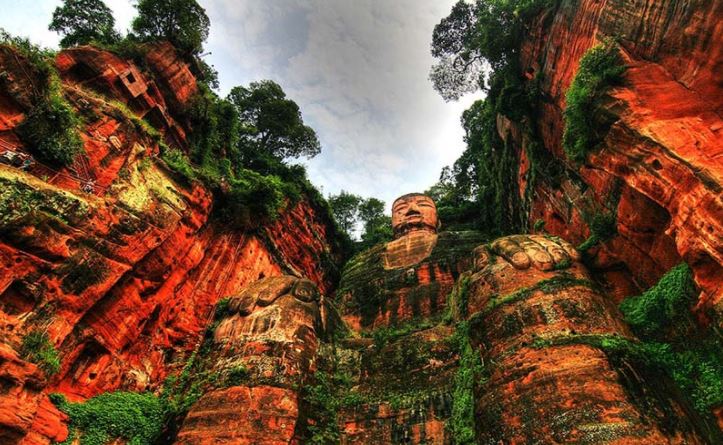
413,210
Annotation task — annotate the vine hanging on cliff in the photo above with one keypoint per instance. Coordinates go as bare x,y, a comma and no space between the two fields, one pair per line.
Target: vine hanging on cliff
600,68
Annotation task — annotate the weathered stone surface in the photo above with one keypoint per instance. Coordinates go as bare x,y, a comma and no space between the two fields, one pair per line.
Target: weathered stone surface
123,279
242,415
537,322
407,279
406,388
665,147
272,331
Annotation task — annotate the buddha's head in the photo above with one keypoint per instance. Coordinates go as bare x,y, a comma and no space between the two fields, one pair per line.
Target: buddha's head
414,212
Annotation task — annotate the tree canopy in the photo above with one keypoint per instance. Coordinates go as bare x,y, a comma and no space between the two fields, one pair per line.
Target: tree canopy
84,21
345,207
182,22
477,37
477,47
352,211
271,123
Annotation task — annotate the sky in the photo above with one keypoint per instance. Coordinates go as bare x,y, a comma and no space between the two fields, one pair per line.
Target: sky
357,68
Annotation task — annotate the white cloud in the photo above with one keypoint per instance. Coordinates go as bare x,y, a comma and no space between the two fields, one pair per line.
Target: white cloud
357,68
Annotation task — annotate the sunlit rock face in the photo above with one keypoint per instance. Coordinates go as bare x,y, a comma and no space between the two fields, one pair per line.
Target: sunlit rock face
410,277
538,322
122,279
662,152
272,331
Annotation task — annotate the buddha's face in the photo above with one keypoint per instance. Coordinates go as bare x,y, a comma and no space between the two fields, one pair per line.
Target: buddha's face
414,212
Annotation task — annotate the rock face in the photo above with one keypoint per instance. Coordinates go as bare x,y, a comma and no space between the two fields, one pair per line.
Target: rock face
663,151
271,331
120,265
539,322
122,276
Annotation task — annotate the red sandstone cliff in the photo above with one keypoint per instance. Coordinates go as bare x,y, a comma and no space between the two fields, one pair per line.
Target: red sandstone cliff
122,278
665,150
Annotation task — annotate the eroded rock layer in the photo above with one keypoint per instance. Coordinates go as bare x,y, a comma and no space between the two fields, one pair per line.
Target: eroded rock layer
662,155
114,258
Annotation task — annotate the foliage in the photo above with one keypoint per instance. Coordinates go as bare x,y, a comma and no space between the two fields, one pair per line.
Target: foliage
481,190
692,357
486,32
250,186
671,343
345,207
351,211
387,334
672,340
221,309
50,128
122,111
271,123
128,47
252,198
237,375
37,348
469,375
459,297
600,68
81,271
662,305
324,404
603,226
697,369
137,418
84,21
216,128
184,23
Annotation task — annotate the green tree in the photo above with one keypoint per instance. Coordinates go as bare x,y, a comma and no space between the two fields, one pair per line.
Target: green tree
345,207
184,23
478,37
377,225
84,21
272,123
352,212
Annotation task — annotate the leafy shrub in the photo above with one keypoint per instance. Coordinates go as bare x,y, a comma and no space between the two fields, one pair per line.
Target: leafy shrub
468,376
697,370
600,68
324,404
237,375
50,128
694,360
37,348
137,418
81,271
603,226
178,162
662,305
